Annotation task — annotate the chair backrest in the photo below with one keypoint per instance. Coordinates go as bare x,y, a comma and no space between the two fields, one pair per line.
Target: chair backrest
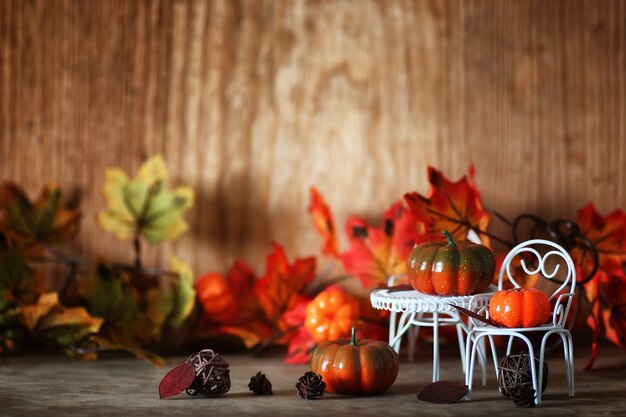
540,251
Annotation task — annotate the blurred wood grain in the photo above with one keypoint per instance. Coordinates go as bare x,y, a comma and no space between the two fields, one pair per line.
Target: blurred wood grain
252,102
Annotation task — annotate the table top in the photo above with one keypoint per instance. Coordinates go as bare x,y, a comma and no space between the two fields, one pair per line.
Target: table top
401,301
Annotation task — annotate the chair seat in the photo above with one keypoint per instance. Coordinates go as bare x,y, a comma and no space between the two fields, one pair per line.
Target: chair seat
506,330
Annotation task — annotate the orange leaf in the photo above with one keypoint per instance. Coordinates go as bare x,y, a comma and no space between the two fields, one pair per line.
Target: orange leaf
323,223
231,306
279,289
608,235
452,206
378,253
44,220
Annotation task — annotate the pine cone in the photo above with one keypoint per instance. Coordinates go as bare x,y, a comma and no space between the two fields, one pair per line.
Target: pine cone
523,395
260,385
310,386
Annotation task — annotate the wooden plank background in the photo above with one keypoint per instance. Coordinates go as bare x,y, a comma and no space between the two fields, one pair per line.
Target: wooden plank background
252,102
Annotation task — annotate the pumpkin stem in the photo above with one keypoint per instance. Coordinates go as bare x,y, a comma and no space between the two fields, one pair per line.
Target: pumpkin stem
353,338
449,237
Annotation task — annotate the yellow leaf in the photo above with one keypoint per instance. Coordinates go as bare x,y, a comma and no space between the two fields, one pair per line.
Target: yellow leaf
153,170
144,204
183,293
32,313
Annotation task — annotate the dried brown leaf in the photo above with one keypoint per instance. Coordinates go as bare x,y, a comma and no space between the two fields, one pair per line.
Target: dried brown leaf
443,392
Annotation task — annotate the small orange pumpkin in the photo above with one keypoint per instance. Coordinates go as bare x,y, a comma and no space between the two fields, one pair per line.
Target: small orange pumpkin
519,307
331,314
362,367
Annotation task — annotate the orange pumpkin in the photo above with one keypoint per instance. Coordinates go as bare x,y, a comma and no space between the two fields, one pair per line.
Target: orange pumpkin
519,307
216,297
348,366
331,314
450,268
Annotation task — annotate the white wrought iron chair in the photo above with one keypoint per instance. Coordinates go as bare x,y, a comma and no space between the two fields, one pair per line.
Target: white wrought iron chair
532,251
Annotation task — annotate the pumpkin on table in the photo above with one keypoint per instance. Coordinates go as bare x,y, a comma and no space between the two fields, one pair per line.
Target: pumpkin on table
450,268
519,307
361,367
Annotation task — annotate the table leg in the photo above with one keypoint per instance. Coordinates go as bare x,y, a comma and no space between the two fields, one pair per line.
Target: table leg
435,346
392,330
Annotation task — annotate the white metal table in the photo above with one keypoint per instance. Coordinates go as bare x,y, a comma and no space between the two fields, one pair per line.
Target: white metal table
417,310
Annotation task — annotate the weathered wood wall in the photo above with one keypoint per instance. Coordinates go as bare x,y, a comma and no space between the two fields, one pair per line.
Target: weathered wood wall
251,102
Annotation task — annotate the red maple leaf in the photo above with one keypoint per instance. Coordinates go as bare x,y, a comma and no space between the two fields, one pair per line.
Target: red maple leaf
614,315
601,315
280,289
607,234
606,290
377,253
323,223
452,206
231,306
300,347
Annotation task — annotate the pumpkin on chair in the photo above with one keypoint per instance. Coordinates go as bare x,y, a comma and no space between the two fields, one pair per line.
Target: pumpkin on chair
519,307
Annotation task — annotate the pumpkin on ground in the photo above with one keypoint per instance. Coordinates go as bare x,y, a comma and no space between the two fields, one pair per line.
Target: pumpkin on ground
331,314
450,268
361,367
519,307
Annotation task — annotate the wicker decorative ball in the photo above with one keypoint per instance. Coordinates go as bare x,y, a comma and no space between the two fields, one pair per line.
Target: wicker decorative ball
212,374
514,372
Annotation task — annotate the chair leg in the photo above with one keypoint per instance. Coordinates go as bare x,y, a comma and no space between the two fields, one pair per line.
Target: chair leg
470,357
494,355
509,345
570,363
533,367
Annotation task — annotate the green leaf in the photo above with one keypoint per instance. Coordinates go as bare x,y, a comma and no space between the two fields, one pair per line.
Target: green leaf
44,220
19,283
109,295
144,204
182,295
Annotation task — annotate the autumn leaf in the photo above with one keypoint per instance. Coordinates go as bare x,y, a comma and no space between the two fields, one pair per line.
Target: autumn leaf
377,253
279,289
231,306
452,206
177,380
44,220
323,223
65,327
443,392
144,205
19,283
107,294
607,234
615,315
180,298
300,348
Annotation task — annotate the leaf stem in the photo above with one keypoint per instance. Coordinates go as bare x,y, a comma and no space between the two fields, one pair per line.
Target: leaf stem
137,247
